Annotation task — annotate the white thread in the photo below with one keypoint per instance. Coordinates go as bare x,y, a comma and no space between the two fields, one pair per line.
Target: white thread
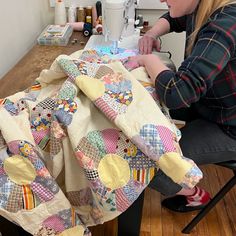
60,13
72,14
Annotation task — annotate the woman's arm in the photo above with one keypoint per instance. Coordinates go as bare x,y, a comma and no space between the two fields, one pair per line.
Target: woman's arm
149,40
164,25
196,75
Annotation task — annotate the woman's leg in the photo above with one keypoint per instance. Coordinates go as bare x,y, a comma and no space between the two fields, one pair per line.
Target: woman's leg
203,142
129,222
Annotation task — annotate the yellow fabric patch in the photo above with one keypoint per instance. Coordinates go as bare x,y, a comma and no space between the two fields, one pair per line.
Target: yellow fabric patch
172,164
114,171
93,88
20,170
76,231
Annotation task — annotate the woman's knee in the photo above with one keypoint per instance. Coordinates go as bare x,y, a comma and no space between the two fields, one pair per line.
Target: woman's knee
163,184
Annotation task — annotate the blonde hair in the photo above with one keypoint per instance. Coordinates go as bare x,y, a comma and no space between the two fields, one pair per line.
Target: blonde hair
205,10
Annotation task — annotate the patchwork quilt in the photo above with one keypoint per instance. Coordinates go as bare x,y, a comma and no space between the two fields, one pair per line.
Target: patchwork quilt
79,146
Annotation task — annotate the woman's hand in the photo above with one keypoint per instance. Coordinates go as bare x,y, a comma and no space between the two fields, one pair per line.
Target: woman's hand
138,60
148,42
152,63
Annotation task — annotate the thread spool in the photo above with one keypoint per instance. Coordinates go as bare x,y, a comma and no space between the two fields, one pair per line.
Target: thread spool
88,29
99,28
77,26
81,14
88,13
72,14
88,19
60,13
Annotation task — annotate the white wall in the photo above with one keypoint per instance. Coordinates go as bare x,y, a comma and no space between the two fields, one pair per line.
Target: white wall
21,21
173,42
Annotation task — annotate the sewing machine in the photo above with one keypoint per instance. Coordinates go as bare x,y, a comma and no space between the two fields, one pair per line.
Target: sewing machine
118,20
119,30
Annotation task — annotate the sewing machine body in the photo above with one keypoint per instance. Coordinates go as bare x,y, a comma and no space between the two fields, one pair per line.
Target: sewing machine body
118,26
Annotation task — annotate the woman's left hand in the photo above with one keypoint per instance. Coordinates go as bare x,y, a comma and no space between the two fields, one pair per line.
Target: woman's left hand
138,60
152,63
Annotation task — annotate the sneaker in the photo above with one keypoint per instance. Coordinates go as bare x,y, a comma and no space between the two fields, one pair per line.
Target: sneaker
179,203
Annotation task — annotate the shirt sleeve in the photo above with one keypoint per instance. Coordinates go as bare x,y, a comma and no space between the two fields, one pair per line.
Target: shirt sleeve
211,53
176,24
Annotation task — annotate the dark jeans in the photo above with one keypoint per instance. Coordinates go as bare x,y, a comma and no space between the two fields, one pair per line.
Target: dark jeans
7,228
202,141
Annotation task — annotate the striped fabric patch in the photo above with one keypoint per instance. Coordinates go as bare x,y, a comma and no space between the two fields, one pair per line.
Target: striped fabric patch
40,135
102,71
105,108
122,202
28,198
89,150
36,86
143,176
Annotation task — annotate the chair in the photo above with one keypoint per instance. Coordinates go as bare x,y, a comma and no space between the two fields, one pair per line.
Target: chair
226,188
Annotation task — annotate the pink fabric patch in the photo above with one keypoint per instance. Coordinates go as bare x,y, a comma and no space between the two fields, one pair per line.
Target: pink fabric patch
2,171
167,138
110,137
122,202
104,107
14,147
39,135
54,222
43,193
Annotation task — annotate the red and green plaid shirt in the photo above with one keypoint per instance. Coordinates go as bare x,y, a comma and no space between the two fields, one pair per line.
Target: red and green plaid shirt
207,77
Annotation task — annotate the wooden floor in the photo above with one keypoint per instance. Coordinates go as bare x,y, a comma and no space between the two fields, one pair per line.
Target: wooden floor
157,221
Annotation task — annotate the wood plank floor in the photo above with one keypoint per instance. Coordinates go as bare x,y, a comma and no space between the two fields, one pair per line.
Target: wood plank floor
157,221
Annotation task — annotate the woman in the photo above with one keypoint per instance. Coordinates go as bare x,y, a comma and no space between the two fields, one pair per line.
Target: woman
202,91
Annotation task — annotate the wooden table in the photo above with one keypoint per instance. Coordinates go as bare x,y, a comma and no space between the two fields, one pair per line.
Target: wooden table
38,58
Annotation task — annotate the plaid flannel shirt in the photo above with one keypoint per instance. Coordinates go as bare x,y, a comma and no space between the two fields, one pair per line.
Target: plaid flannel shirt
207,77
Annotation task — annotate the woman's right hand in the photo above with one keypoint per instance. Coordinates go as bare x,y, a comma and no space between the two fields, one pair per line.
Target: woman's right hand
147,43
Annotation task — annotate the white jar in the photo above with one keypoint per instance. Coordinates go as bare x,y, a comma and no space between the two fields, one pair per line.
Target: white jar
60,13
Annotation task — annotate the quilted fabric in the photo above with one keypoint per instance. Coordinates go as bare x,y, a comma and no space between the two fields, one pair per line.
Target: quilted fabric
80,145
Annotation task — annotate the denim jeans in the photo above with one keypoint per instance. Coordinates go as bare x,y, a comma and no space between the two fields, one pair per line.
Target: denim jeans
202,141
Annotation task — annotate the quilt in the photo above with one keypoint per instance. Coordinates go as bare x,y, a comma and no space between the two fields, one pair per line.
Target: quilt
79,146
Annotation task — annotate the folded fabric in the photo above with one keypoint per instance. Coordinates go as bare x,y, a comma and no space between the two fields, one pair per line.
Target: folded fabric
79,146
